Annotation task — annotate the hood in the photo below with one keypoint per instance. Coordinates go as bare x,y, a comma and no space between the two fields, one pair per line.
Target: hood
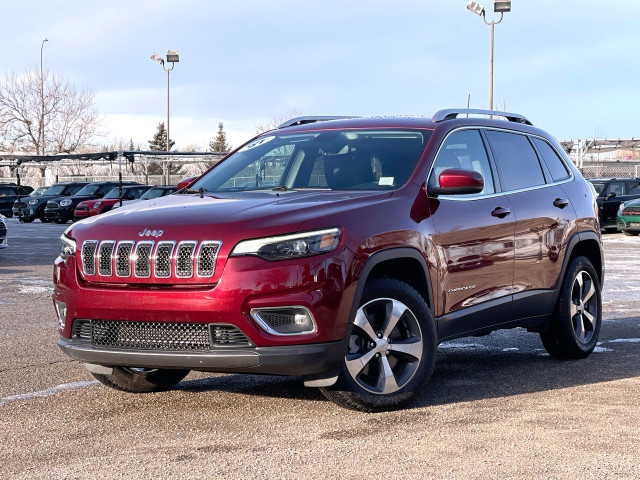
251,213
632,203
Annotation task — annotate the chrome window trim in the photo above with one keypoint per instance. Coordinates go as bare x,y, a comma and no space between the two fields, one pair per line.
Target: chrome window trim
135,257
95,253
98,256
154,256
266,327
193,256
496,194
115,256
215,257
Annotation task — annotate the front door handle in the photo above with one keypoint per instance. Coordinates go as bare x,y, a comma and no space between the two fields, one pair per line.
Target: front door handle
560,202
500,212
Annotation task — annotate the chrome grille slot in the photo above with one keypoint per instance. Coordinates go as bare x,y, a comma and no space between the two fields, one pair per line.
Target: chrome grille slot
88,254
123,258
184,258
207,254
142,259
162,259
105,256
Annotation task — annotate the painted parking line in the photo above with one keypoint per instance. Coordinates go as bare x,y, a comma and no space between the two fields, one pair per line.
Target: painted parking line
49,391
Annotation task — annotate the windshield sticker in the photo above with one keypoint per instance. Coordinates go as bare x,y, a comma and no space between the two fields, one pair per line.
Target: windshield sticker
257,143
386,181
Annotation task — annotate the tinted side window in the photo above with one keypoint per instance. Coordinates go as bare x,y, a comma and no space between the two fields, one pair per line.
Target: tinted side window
464,149
634,188
617,187
516,159
550,157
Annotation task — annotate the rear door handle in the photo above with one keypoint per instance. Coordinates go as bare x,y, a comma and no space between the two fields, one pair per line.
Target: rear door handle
500,212
560,202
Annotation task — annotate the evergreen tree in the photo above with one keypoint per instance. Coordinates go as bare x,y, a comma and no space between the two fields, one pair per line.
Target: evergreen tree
220,143
159,140
131,145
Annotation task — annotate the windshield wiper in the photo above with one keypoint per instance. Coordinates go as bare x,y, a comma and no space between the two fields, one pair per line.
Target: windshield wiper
199,191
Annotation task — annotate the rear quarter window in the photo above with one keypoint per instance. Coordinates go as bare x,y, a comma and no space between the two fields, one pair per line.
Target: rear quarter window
555,165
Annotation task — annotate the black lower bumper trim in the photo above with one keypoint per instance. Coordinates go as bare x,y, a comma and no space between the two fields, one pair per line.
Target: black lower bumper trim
306,359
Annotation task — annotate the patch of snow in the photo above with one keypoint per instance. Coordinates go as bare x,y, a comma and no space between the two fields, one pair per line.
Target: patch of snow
602,350
49,391
625,340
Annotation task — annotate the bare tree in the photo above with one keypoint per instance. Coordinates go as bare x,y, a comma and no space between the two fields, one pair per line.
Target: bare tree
277,119
61,119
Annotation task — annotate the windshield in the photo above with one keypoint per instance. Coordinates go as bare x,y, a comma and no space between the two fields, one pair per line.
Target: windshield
54,190
115,193
598,186
356,159
156,192
88,190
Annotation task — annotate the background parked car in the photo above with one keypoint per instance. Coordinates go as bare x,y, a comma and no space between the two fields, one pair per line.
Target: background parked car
629,217
89,208
611,193
3,233
28,209
8,196
60,210
186,182
154,192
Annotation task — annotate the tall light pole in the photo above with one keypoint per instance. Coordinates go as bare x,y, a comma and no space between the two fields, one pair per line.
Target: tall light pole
173,58
41,138
498,7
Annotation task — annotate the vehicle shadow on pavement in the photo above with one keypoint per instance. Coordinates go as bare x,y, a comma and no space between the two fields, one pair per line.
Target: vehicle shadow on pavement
468,374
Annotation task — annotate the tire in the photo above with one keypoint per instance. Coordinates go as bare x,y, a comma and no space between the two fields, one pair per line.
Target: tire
629,233
42,217
372,344
141,380
575,326
60,221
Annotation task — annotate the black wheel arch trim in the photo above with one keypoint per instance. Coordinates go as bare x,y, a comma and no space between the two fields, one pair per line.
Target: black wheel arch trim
576,238
396,253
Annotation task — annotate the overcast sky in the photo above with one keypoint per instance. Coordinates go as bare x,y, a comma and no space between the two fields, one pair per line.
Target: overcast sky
571,66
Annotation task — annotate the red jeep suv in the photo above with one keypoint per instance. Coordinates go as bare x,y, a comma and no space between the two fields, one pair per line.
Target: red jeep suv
343,251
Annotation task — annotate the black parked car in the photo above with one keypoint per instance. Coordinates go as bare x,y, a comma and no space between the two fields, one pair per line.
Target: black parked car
611,193
60,210
3,233
30,208
8,196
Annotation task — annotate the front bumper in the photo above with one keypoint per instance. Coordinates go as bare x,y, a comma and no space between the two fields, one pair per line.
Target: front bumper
629,223
61,213
306,359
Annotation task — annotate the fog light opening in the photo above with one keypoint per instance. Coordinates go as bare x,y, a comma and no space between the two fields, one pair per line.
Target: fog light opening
294,320
61,311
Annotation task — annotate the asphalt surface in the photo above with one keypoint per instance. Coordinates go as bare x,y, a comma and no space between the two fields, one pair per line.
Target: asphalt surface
496,407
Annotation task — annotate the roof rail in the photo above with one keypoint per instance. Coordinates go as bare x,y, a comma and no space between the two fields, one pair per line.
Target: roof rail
312,119
451,113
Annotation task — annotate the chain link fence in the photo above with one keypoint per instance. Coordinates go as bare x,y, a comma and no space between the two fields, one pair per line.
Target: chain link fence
610,170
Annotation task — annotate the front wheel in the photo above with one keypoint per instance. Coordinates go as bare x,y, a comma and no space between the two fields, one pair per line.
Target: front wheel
141,380
392,349
60,221
575,325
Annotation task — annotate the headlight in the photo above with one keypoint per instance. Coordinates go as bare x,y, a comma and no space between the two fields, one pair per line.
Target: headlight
33,202
621,208
97,204
65,203
296,245
67,246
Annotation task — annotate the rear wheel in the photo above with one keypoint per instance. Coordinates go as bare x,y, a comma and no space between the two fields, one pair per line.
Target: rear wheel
575,326
141,380
392,349
630,233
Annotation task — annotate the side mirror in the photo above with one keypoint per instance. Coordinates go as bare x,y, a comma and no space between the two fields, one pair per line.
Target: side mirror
456,181
611,195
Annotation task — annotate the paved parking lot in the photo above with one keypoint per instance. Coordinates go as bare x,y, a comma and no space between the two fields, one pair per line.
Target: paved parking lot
497,406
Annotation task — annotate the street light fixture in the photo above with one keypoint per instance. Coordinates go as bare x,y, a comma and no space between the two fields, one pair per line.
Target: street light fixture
500,7
173,58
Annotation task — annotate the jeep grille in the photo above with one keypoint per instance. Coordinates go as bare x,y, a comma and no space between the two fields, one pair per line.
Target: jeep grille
146,259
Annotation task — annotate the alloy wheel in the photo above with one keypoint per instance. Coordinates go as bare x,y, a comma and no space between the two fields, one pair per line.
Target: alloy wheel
584,307
385,348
